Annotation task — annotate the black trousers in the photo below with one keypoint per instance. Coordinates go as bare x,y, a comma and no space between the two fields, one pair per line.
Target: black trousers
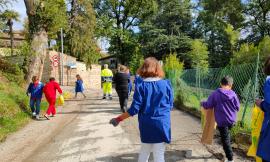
264,161
123,99
226,141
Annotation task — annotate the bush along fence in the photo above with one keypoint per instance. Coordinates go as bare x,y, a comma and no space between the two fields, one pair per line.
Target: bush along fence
195,85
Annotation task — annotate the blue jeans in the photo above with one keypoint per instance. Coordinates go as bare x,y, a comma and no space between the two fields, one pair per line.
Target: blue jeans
35,105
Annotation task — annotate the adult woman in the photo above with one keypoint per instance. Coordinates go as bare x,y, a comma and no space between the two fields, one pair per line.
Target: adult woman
152,101
121,85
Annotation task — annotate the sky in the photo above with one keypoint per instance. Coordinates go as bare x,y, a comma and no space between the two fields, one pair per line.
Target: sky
20,8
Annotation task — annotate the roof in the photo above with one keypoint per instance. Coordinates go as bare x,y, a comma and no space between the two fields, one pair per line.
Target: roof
107,57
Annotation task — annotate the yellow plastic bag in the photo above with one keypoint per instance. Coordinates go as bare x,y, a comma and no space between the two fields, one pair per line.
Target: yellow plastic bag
67,95
256,125
60,100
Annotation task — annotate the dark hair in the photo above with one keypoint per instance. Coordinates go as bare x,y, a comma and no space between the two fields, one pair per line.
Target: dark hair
78,76
267,66
151,68
227,80
34,78
52,79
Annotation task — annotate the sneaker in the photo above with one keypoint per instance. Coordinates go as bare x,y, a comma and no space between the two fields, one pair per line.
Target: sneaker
229,160
110,97
53,115
47,117
33,114
104,98
37,117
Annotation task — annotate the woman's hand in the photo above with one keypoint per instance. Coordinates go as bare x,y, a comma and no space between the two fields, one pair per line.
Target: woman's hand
258,102
114,122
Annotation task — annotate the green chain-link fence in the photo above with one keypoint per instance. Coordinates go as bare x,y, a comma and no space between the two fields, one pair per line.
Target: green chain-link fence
197,84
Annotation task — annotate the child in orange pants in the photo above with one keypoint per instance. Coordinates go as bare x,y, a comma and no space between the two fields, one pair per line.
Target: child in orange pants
50,94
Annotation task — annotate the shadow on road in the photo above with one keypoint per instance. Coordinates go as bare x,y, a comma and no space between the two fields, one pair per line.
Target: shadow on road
171,156
109,110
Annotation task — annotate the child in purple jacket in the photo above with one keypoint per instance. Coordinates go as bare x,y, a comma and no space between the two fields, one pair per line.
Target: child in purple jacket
226,104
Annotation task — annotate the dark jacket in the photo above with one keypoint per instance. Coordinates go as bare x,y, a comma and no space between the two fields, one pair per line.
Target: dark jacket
35,90
121,82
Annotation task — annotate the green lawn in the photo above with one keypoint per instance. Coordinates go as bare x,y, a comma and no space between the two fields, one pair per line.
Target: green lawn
14,107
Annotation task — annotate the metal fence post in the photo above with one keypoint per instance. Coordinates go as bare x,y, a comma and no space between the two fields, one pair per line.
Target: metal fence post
255,93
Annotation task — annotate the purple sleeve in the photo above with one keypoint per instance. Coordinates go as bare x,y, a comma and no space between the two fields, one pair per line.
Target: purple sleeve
210,103
237,103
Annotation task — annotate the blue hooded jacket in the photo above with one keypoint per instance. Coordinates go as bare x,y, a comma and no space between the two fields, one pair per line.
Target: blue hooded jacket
35,91
79,86
153,101
263,150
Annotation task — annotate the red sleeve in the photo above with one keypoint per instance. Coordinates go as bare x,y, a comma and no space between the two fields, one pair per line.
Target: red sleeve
56,85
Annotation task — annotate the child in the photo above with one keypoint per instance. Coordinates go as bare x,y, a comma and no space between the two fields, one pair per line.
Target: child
152,101
50,94
226,104
35,89
79,86
263,150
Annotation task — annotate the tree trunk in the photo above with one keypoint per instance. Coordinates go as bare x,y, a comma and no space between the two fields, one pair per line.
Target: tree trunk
11,37
39,46
39,43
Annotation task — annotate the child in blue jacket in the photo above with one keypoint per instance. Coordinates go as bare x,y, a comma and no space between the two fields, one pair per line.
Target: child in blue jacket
79,86
35,89
263,150
152,101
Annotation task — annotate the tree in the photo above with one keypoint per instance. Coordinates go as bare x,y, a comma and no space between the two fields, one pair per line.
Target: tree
81,41
136,61
213,19
258,22
167,30
45,18
9,16
248,52
117,18
199,54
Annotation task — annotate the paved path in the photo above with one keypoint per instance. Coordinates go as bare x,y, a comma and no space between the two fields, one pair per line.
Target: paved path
88,137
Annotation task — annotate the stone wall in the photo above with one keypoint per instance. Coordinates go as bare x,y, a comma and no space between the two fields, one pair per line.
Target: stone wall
91,77
71,68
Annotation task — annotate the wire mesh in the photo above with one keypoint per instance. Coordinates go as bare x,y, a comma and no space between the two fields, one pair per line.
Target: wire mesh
200,83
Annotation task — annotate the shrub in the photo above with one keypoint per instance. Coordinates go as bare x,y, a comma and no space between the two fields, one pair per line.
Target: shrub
173,69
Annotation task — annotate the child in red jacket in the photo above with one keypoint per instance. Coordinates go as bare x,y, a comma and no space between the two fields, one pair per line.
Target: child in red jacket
50,94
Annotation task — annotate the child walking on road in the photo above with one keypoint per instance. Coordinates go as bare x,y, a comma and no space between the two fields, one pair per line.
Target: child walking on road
152,101
50,94
35,89
79,86
263,150
226,104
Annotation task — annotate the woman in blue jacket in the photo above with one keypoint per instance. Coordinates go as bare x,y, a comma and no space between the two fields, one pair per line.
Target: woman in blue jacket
152,101
79,86
35,89
263,150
